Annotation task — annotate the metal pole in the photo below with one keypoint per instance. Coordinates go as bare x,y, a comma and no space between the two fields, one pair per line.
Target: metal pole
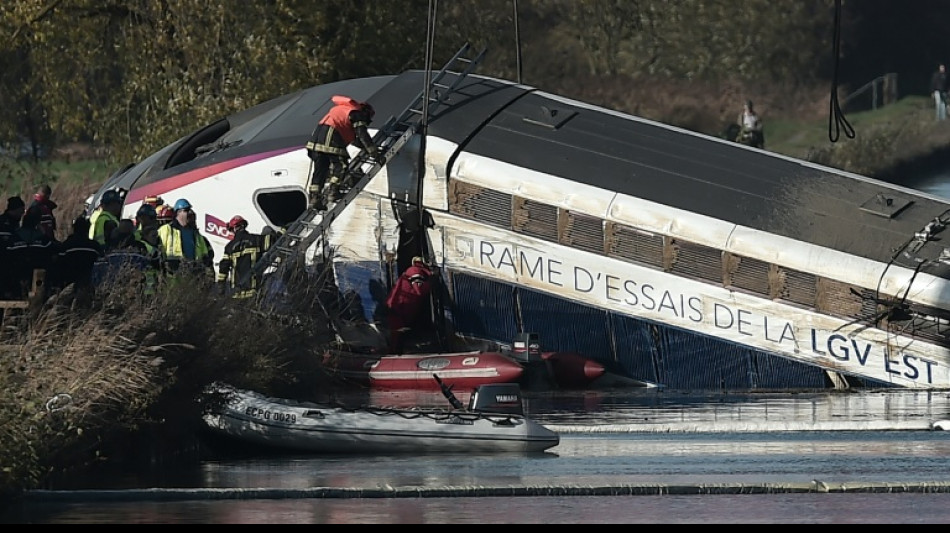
517,40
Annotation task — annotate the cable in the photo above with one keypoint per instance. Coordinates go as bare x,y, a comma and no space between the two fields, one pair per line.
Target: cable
836,118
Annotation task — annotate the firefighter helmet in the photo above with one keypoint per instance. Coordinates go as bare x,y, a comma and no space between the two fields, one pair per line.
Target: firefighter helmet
153,201
236,220
165,214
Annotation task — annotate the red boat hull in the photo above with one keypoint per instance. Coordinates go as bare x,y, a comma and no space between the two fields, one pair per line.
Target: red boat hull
461,371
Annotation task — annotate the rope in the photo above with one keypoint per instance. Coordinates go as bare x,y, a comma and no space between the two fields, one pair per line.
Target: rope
836,118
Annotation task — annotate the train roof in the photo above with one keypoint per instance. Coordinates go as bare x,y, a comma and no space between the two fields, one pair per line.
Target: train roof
523,126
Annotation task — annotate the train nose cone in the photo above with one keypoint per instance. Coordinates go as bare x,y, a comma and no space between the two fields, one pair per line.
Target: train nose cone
593,370
572,369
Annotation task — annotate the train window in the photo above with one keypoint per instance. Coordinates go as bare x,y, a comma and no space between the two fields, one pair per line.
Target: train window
281,207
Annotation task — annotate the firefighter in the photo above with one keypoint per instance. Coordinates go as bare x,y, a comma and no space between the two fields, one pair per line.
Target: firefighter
106,218
45,206
9,224
406,300
345,124
240,256
76,258
146,232
182,243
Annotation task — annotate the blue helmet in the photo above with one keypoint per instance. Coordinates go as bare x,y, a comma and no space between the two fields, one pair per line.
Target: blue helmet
182,204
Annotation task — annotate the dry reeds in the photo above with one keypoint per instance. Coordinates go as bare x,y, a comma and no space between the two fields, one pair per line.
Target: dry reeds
86,370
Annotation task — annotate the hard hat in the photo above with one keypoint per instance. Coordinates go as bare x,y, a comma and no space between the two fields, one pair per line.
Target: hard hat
236,220
165,213
418,259
146,210
110,196
182,204
153,201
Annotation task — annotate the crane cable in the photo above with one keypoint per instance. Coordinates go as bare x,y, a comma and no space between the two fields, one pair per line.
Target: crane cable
836,118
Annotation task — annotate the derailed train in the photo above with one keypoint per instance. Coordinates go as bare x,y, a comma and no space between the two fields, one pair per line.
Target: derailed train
673,258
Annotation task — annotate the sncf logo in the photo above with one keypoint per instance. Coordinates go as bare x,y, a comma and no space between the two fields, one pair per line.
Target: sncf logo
216,226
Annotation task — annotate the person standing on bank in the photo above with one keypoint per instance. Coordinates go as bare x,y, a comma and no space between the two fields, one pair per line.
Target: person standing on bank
346,123
9,224
240,255
938,87
105,219
750,127
43,203
182,243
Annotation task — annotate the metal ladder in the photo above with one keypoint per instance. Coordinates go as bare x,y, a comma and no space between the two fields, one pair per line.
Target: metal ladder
312,224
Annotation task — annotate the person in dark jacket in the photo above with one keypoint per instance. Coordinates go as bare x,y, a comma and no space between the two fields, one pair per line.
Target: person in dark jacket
77,255
9,224
240,255
45,205
31,250
346,123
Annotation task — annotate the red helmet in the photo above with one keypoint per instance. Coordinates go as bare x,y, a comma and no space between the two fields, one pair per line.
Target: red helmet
153,201
236,220
165,213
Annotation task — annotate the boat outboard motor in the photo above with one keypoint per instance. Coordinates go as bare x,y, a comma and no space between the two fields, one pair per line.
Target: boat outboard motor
497,398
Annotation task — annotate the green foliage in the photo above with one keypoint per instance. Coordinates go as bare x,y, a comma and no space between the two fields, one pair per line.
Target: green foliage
134,75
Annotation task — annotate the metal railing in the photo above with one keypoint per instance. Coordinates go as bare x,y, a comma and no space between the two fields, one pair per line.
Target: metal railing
883,89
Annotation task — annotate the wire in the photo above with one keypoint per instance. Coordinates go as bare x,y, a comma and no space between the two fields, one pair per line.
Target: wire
836,118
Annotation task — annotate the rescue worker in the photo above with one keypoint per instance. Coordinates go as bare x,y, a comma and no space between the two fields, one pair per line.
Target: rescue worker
240,256
146,232
345,124
105,218
77,255
9,223
406,300
45,205
182,244
31,250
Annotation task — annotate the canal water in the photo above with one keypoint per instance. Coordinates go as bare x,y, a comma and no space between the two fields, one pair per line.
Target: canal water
625,456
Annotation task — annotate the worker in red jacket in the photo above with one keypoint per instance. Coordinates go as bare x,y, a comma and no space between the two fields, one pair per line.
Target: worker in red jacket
406,299
345,124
